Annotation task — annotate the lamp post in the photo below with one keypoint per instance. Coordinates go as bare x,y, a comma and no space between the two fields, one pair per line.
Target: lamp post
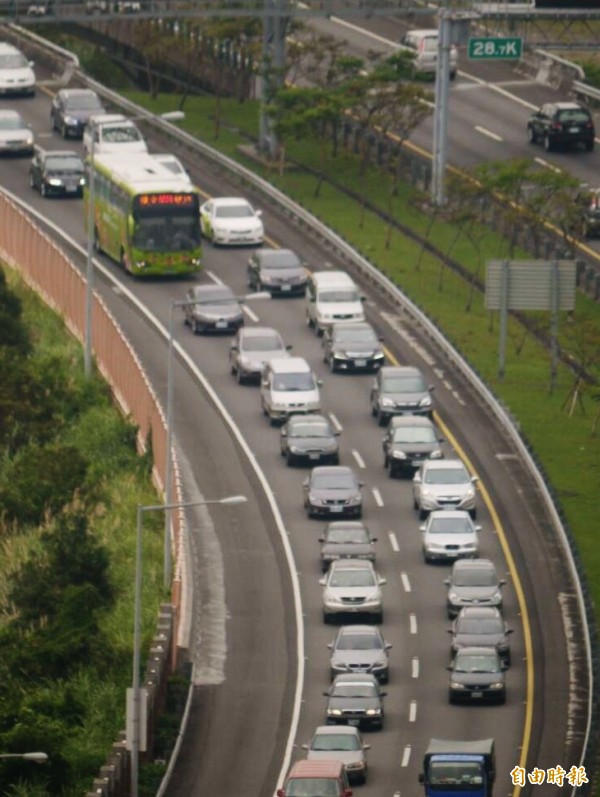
167,559
135,706
169,116
38,758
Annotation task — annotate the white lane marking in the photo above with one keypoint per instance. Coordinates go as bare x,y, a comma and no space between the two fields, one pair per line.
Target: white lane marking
412,712
415,667
250,313
394,542
359,460
488,133
504,457
547,165
447,385
377,497
405,756
412,619
336,424
405,582
214,277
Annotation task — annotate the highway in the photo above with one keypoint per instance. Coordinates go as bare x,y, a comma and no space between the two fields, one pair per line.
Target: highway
244,632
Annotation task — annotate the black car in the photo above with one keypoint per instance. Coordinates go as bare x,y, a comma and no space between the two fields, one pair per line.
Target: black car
214,309
278,271
309,439
355,699
561,124
352,346
481,626
477,676
410,439
71,109
346,539
333,490
59,173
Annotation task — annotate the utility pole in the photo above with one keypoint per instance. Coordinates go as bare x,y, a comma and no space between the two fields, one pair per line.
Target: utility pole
275,21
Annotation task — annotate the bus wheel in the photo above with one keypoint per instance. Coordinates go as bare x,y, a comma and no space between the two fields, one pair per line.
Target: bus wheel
123,261
97,247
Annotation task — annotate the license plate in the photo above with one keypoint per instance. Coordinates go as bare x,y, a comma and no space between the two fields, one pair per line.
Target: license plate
286,287
356,723
416,463
360,363
71,189
573,130
313,456
221,325
476,694
335,508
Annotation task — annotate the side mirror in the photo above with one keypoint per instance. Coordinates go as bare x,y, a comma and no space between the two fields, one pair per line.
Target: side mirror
326,694
421,780
265,383
363,298
233,347
366,746
388,646
323,581
474,479
319,382
259,212
280,793
422,527
381,581
305,483
289,347
381,339
449,667
447,582
431,388
502,582
304,747
441,439
321,539
337,433
504,666
283,432
449,630
361,484
417,477
509,631
373,539
330,645
383,694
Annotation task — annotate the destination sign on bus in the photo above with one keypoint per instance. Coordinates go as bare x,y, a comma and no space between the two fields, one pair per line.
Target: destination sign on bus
152,200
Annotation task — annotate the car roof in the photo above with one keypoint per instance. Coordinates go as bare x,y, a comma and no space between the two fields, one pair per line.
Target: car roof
9,113
477,650
351,325
400,370
60,153
473,564
316,769
257,332
410,420
351,564
312,417
77,92
229,200
289,365
569,106
332,278
481,612
357,678
208,289
8,48
362,629
273,254
109,117
424,32
336,730
443,464
326,470
346,524
449,513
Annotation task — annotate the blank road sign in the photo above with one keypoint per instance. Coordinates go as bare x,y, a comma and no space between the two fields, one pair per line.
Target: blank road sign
529,284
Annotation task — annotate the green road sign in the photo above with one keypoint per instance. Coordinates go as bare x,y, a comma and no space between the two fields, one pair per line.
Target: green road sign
495,47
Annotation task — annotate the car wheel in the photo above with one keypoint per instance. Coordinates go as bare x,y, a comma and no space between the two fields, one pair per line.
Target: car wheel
531,136
43,189
426,558
415,503
195,327
332,365
589,145
473,513
31,181
373,410
63,131
452,75
335,460
423,514
289,459
548,145
378,618
382,419
309,322
326,618
239,376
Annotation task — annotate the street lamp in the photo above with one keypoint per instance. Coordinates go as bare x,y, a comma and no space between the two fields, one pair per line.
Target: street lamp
135,690
38,758
167,559
169,116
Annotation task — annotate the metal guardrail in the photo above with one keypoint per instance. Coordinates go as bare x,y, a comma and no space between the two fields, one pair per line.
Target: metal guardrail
303,218
589,94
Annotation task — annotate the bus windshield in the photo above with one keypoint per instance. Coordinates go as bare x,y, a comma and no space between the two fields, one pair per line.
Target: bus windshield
167,233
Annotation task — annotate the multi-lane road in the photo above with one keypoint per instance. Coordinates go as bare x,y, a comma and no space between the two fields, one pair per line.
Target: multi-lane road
248,625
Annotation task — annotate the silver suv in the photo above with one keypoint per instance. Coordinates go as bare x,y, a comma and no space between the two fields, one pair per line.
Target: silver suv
473,582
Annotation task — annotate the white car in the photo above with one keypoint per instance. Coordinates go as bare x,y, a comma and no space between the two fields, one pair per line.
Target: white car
16,72
15,134
423,44
112,133
449,535
231,220
443,484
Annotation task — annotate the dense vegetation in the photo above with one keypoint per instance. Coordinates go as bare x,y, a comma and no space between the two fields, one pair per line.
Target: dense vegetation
70,480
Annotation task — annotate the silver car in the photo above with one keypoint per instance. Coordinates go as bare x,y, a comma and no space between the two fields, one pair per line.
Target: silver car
360,649
473,582
449,534
213,308
340,743
444,484
251,349
352,587
400,390
16,136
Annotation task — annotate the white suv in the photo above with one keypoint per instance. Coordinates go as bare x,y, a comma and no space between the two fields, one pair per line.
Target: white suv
424,45
289,387
112,133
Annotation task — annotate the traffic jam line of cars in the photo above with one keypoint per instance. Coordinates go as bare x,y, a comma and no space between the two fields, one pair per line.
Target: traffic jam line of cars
443,492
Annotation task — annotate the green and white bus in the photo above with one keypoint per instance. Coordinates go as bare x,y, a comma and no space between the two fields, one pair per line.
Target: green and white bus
145,217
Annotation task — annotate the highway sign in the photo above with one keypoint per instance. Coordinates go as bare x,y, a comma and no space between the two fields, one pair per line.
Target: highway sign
495,47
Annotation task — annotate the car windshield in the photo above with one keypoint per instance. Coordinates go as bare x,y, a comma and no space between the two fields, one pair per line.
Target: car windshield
403,384
482,577
414,434
233,211
294,381
11,123
13,61
468,626
339,295
476,662
446,476
333,481
335,741
574,115
280,260
309,787
447,525
262,343
447,773
348,536
358,642
354,690
310,430
70,164
216,298
352,578
120,134
83,102
355,336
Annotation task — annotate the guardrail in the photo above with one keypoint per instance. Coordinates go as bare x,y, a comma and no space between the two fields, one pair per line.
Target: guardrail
589,94
368,271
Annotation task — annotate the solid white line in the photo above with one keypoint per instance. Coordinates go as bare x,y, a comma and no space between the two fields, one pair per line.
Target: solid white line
214,277
377,497
488,133
405,582
547,165
412,712
250,313
394,542
359,460
412,618
337,425
415,667
405,756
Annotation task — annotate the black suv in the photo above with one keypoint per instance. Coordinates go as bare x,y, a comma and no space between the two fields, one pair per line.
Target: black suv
561,124
57,173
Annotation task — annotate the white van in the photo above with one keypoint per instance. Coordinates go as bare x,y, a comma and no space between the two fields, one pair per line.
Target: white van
332,296
423,44
288,387
16,72
113,133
